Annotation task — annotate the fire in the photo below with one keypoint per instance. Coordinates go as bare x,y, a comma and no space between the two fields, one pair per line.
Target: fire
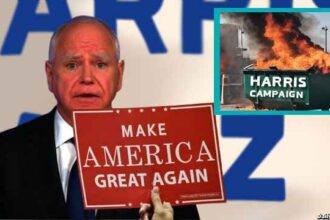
291,49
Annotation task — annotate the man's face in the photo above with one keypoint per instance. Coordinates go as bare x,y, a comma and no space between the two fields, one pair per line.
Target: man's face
84,72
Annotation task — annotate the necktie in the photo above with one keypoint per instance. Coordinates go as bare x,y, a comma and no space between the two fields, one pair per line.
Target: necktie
74,197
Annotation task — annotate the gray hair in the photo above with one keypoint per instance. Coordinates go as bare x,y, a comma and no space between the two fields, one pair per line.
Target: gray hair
82,19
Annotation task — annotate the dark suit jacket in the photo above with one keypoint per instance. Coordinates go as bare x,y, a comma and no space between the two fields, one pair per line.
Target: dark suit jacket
30,185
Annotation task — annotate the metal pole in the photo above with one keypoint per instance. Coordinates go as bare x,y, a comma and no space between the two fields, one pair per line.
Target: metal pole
325,28
326,40
222,88
242,47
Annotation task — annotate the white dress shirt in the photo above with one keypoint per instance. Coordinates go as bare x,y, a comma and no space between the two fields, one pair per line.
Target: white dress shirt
65,151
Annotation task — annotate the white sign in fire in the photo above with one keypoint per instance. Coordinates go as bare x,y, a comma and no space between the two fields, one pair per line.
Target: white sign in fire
271,87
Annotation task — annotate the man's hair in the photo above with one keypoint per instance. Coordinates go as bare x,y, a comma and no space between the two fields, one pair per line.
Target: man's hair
77,20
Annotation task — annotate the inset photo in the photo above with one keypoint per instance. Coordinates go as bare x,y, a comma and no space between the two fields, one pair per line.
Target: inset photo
270,61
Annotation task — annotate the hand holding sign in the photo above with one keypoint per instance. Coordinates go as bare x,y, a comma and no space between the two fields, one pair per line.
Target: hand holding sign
162,211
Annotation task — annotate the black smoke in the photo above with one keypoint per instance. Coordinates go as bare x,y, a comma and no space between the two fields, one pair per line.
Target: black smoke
254,25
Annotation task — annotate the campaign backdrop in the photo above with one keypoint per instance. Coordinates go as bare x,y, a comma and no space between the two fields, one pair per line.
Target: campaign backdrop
275,167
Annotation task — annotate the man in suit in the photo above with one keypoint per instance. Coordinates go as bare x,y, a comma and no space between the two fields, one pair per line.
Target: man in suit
84,71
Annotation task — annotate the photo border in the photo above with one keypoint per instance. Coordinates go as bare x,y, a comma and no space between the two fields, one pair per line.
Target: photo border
217,83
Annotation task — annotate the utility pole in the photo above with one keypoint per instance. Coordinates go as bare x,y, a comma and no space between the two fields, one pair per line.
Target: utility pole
325,28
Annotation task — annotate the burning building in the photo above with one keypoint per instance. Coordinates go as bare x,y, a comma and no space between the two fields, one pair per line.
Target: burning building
231,63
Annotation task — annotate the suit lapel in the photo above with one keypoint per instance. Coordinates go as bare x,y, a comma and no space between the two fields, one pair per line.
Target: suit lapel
51,187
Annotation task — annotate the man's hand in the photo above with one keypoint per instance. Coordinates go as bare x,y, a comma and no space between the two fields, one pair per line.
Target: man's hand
161,211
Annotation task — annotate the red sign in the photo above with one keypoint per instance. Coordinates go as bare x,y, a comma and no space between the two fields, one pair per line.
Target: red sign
122,153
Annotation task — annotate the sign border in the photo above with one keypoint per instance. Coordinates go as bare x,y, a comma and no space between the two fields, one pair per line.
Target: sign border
172,108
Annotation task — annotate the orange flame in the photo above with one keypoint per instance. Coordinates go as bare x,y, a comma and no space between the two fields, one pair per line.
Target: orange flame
303,56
